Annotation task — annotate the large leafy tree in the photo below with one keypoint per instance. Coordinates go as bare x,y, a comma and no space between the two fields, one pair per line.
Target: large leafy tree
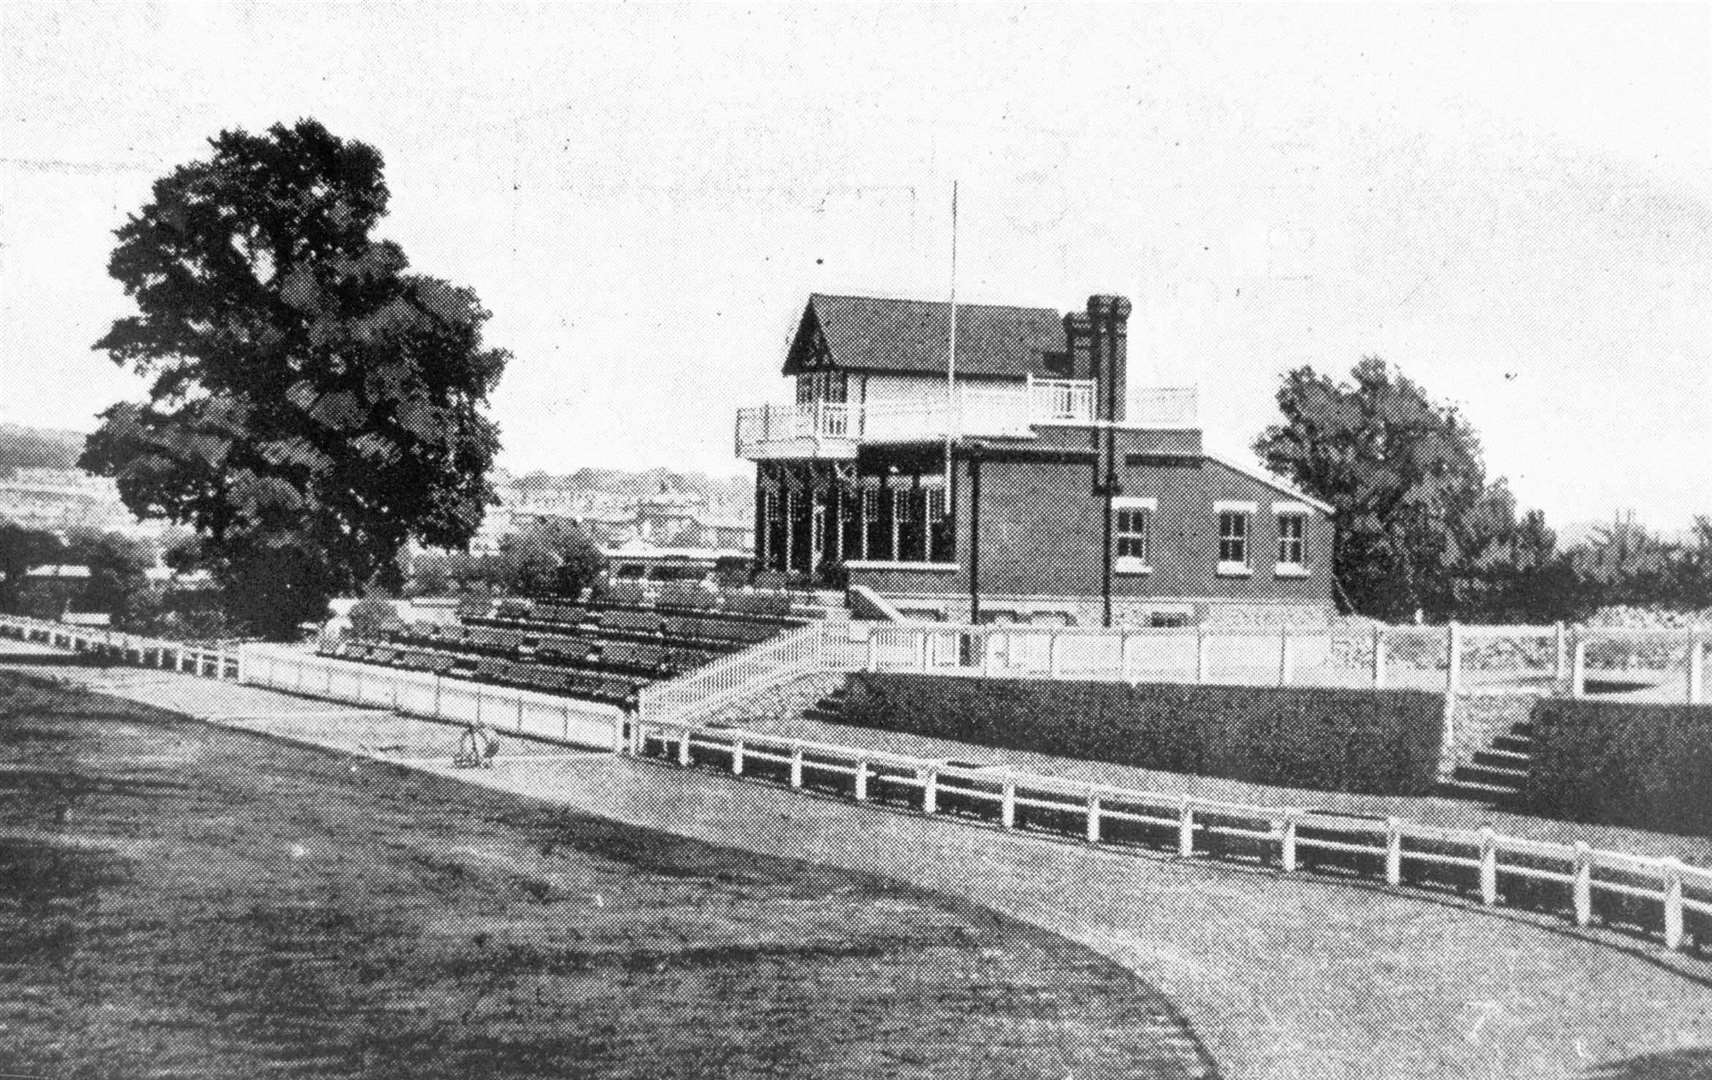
312,405
1404,476
22,549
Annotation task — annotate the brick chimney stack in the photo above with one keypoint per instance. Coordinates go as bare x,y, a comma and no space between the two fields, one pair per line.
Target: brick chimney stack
1108,323
1079,343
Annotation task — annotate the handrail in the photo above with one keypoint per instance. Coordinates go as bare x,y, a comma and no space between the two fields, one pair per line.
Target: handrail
1089,810
796,652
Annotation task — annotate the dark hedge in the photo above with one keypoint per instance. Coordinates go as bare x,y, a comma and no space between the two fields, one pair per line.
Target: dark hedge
1623,763
1384,742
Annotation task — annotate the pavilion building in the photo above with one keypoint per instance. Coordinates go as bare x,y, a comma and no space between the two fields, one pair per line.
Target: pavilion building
1027,481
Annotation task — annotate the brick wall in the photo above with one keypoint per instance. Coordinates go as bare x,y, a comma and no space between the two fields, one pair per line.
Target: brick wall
1042,527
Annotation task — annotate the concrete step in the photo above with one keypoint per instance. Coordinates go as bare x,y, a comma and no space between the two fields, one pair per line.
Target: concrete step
1513,744
1469,789
1504,759
1491,774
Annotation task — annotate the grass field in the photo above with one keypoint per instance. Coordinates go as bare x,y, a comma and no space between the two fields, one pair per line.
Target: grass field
181,900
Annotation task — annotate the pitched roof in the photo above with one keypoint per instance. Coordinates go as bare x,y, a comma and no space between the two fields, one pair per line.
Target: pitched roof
867,333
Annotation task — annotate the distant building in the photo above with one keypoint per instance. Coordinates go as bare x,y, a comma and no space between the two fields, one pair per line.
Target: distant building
1027,493
66,500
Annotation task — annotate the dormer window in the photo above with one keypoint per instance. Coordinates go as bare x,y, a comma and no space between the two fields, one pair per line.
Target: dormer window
828,386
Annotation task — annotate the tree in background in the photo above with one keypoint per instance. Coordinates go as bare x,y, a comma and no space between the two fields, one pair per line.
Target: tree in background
23,549
312,406
547,556
1404,477
117,571
1625,563
1690,577
1512,571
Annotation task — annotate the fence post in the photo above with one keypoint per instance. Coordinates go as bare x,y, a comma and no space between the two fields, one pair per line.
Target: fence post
873,648
684,747
984,642
1203,654
1560,654
861,779
1393,852
796,764
1124,639
1093,816
1283,656
1287,842
930,790
1052,658
1696,668
737,755
1578,674
1379,658
1672,903
1007,801
1185,828
1583,888
1453,664
1488,866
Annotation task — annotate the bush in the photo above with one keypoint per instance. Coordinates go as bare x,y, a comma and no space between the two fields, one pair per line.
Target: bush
374,614
1384,742
1622,763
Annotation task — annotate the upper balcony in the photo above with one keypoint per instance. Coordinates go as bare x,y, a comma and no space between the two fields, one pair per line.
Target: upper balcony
834,430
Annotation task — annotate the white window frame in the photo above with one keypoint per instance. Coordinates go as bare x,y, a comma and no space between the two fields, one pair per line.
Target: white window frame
1298,512
1129,564
1247,511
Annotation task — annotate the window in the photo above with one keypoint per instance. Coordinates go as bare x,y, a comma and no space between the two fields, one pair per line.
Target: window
1292,533
829,386
1132,534
1234,520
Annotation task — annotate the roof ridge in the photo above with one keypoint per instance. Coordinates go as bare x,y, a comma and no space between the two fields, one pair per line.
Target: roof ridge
938,303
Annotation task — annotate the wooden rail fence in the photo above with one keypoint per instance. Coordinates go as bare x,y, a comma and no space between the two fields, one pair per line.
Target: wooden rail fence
1665,897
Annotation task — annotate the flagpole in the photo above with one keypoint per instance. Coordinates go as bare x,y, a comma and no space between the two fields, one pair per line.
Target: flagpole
953,414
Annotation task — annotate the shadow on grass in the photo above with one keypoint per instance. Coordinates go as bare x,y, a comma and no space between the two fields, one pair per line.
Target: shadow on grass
1690,1064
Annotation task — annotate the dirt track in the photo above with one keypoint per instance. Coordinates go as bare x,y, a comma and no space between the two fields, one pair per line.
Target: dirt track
1281,978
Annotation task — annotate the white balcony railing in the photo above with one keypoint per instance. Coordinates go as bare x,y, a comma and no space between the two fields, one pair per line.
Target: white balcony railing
835,429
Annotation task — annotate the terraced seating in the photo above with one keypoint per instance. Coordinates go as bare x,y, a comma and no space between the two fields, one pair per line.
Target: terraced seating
596,650
632,622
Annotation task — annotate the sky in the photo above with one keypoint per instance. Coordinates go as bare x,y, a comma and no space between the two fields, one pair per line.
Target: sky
1511,204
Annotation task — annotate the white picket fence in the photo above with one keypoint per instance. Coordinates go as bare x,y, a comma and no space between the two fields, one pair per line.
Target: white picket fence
1452,659
436,697
1397,851
127,648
